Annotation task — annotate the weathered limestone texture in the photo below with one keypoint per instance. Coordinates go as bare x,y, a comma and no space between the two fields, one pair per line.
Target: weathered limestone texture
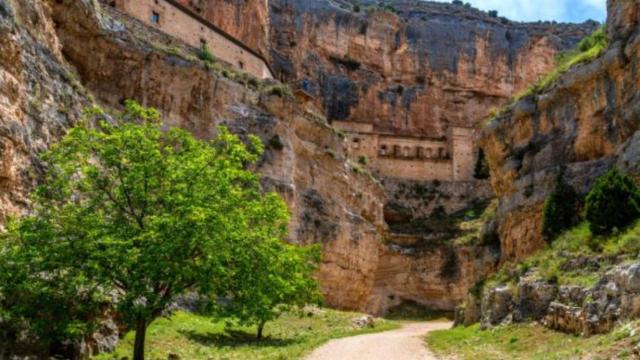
582,125
411,67
171,17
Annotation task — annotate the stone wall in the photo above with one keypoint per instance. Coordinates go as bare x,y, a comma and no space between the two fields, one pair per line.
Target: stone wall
409,157
174,19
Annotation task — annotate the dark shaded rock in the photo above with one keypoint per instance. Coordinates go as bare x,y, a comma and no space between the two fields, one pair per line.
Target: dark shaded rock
497,305
533,300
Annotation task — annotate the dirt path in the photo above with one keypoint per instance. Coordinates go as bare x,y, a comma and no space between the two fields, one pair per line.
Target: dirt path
406,343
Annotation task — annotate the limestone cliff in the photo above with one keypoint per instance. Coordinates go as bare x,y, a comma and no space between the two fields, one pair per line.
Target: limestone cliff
39,98
583,124
408,66
331,202
246,20
398,68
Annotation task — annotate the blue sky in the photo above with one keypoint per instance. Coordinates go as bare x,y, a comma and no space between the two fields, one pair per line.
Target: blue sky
533,10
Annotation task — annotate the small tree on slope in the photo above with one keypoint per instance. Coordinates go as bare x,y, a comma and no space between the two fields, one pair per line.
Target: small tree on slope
140,216
613,202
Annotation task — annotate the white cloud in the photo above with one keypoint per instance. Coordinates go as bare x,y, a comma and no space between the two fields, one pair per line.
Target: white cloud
532,10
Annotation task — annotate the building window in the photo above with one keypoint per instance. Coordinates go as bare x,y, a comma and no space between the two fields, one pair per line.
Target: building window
155,17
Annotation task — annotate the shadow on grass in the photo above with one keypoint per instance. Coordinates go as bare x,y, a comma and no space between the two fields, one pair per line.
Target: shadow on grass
235,338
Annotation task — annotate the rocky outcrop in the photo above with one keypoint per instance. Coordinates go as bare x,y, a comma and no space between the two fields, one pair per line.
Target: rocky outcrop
582,125
407,66
568,308
436,277
423,260
39,98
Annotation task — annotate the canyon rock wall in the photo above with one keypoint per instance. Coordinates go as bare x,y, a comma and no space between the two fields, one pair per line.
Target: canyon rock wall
42,96
39,99
582,125
410,67
414,69
437,246
246,20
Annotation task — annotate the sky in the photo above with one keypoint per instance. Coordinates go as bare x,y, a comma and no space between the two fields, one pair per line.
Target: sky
533,10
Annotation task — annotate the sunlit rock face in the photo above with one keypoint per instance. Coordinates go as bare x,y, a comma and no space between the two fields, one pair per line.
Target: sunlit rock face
246,20
582,125
416,69
412,67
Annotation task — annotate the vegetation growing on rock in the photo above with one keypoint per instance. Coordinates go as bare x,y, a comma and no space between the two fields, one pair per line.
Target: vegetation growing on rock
612,203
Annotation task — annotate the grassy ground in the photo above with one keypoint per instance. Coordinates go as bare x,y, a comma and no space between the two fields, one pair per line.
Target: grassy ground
576,258
194,337
532,342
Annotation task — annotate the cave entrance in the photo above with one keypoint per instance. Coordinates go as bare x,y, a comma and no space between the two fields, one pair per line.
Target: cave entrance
412,310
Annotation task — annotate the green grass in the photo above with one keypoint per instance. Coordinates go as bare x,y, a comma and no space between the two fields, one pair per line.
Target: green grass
194,337
531,342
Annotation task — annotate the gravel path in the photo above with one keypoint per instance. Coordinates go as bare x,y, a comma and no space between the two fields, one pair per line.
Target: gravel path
406,343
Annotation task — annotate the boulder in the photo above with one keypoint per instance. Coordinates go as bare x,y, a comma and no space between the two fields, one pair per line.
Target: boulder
628,278
496,306
534,299
364,321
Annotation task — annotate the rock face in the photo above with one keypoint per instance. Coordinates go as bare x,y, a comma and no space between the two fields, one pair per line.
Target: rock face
421,260
395,68
330,202
246,20
38,98
568,308
409,67
582,125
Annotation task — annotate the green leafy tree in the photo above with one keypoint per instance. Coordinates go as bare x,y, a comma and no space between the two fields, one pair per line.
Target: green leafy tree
272,278
138,216
613,202
560,210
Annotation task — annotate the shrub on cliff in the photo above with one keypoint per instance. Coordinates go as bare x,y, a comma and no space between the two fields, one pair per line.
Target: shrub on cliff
613,202
560,210
134,216
205,54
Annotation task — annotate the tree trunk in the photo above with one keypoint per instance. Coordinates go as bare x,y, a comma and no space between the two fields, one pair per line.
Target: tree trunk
260,328
141,332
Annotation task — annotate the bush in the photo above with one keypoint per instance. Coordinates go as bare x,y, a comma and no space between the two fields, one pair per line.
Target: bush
206,55
613,202
560,210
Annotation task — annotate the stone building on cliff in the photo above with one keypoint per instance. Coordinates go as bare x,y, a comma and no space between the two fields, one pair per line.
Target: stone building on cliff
449,158
172,18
